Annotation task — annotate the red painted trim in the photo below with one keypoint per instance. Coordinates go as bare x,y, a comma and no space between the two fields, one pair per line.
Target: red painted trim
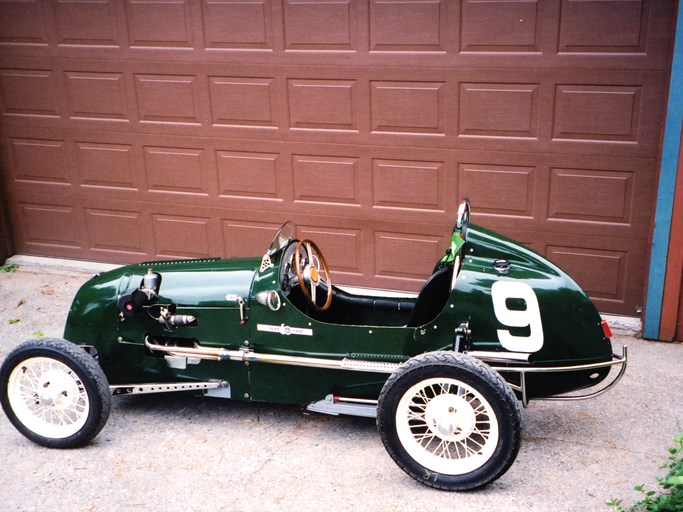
670,327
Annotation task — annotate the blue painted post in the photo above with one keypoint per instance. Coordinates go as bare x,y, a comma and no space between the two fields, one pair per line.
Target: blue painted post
667,185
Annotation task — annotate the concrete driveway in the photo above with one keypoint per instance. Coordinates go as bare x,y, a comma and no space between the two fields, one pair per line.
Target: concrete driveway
180,453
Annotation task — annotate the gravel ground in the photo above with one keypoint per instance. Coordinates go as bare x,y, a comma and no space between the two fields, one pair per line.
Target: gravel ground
184,453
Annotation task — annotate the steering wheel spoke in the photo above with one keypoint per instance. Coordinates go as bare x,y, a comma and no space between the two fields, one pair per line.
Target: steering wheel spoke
311,270
314,287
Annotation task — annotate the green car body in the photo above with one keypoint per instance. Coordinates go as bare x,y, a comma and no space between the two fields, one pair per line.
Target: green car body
572,332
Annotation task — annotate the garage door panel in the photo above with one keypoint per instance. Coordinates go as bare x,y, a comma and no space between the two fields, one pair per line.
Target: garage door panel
326,180
601,195
408,107
117,234
237,25
96,95
329,175
167,98
181,236
407,184
86,23
40,161
598,113
413,26
512,27
609,115
242,101
46,228
606,267
570,194
29,92
251,175
499,189
320,25
541,192
160,24
323,104
23,23
591,195
107,166
175,169
499,110
603,27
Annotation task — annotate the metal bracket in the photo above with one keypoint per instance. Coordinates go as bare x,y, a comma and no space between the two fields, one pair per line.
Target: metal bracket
172,387
336,405
231,297
463,337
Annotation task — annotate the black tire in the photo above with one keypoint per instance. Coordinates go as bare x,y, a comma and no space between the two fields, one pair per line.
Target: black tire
449,421
54,393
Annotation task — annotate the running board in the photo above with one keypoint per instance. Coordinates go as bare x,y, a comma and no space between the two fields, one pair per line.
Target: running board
336,405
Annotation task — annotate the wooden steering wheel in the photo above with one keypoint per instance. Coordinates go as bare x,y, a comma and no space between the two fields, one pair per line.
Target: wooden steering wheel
312,270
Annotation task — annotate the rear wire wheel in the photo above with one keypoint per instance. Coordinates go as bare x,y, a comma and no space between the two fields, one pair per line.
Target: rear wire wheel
54,393
449,421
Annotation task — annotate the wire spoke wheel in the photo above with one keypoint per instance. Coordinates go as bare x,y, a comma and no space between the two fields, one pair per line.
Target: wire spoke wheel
449,421
48,397
54,393
447,426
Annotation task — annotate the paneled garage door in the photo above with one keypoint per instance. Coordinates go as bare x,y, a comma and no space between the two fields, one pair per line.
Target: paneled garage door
145,129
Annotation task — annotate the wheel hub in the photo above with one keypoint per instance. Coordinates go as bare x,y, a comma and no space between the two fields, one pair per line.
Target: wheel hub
46,399
54,390
313,274
450,417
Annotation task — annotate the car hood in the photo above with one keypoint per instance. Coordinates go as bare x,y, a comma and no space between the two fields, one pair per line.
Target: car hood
202,283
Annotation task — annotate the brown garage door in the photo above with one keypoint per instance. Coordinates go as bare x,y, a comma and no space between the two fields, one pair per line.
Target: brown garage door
144,129
5,241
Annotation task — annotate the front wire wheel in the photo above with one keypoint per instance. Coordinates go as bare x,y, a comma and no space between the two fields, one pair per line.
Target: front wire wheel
449,421
54,393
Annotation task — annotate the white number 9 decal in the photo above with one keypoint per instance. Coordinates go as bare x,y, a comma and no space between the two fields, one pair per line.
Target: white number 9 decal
501,291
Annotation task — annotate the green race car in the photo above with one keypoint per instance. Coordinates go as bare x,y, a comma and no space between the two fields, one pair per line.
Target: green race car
444,372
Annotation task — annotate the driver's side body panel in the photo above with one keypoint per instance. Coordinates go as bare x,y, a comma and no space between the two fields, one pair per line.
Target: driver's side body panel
290,331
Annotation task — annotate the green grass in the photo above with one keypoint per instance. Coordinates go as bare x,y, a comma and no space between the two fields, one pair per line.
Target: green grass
669,496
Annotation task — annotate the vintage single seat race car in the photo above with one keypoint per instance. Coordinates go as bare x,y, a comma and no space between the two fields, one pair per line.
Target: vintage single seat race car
444,372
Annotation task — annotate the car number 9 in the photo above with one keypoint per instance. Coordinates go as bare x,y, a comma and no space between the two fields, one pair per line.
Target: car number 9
501,291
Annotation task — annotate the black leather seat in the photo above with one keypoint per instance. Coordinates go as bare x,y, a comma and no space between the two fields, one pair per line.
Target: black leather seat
433,297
